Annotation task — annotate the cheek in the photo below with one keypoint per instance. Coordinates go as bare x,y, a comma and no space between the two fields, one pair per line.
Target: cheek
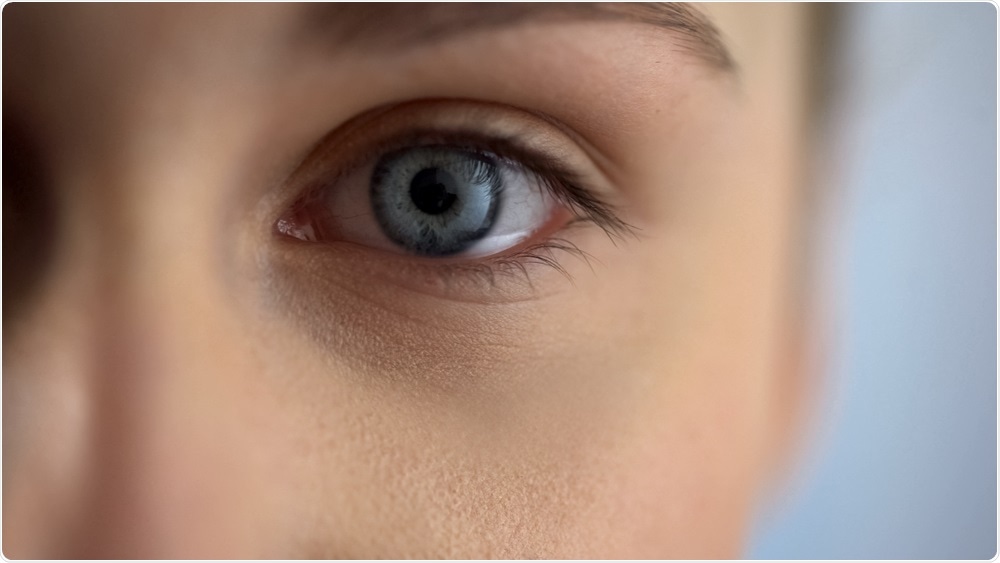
679,362
598,421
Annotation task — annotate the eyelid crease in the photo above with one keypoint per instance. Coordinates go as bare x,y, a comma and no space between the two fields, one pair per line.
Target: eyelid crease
608,171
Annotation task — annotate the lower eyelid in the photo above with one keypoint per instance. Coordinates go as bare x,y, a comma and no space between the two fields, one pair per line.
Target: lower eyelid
497,244
494,281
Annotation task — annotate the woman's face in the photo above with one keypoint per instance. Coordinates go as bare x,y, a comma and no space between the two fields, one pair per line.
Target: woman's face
394,281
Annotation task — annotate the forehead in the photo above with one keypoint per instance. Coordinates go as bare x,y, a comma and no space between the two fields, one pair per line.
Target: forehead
362,27
113,58
402,25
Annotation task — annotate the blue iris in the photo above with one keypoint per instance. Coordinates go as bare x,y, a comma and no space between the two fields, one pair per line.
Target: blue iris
436,201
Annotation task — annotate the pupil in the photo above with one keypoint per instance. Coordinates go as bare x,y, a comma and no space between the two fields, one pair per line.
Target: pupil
433,191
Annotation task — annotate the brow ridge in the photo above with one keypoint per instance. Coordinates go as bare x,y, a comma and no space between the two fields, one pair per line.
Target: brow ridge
400,25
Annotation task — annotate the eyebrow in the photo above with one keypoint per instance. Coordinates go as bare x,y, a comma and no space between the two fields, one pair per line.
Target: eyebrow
399,26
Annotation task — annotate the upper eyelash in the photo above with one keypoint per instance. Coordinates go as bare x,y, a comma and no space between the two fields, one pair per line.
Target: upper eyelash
565,185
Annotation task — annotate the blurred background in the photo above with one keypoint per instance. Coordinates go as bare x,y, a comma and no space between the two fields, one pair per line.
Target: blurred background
901,462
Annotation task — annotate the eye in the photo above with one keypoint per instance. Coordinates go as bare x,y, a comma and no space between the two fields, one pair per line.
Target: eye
438,201
472,185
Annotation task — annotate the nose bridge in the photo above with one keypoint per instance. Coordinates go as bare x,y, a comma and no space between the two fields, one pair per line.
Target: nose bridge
165,364
157,363
165,447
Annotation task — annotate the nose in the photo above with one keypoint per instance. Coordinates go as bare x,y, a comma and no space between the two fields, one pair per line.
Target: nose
129,399
167,472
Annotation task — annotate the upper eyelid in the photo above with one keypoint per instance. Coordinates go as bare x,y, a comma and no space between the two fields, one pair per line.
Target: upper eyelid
607,168
353,153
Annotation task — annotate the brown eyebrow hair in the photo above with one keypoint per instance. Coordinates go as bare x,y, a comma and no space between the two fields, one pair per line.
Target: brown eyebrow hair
396,25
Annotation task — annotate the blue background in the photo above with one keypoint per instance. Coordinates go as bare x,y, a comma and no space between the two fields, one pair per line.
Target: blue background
902,459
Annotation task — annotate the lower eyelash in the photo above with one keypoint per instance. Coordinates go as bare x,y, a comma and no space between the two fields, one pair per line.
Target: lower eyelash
543,254
518,264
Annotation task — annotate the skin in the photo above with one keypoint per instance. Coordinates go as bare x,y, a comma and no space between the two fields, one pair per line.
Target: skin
181,381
